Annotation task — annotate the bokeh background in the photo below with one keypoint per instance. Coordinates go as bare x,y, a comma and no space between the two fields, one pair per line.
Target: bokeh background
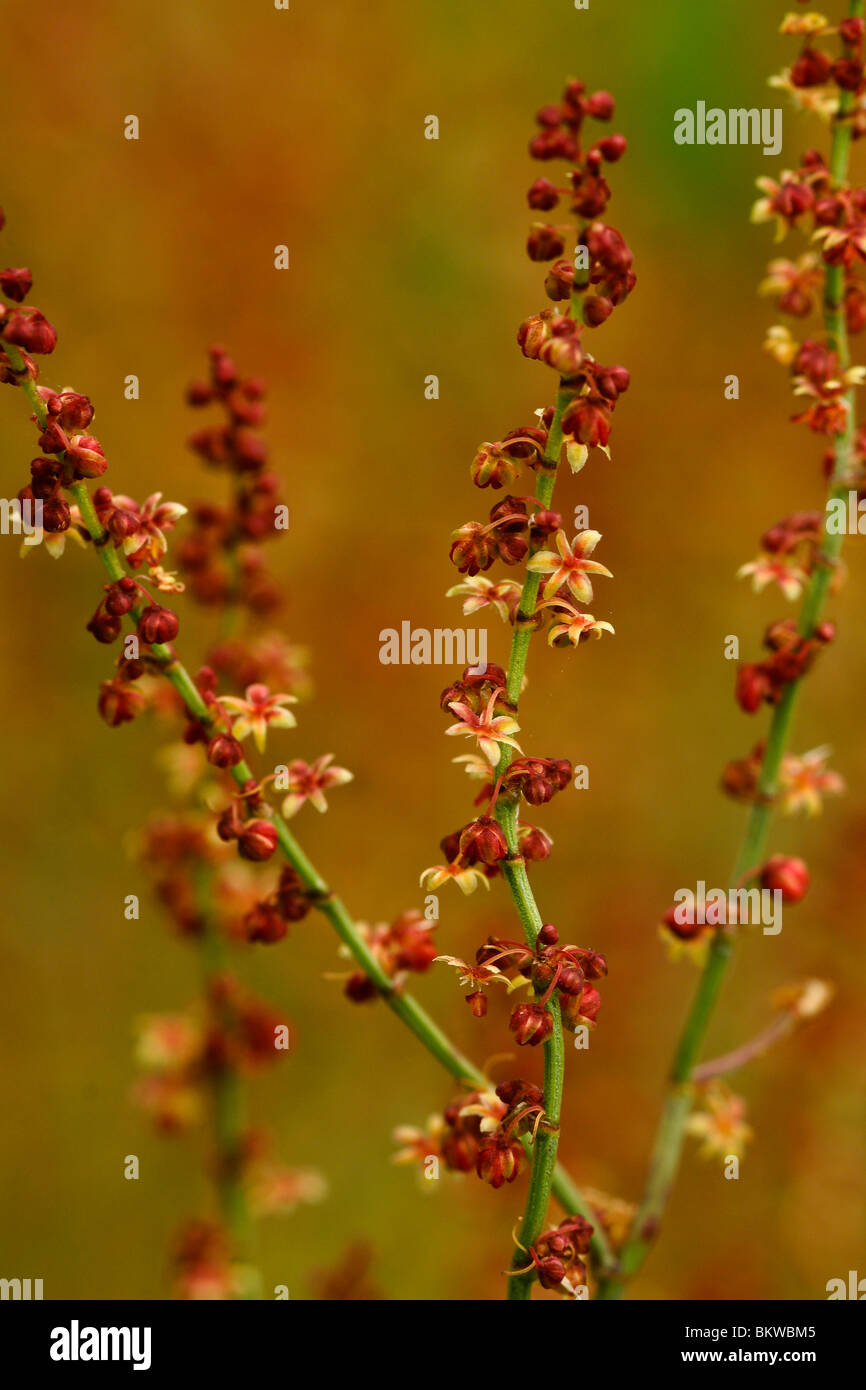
261,127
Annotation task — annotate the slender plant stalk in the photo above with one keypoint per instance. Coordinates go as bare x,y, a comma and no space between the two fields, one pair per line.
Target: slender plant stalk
780,1028
229,1112
403,1004
514,867
671,1132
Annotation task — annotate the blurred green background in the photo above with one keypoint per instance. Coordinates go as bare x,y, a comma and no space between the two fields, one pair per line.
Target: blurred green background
261,127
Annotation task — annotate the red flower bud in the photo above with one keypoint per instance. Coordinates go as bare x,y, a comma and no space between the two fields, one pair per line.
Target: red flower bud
87,456
753,686
56,515
587,421
257,841
596,308
224,751
531,1023
483,840
119,703
121,596
263,923
544,243
292,898
104,626
16,284
787,875
499,1161
543,195
533,333
157,624
360,988
600,106
30,331
613,147
478,1003
811,68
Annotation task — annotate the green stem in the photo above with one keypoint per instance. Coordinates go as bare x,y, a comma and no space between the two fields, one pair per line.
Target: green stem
229,1111
543,1159
671,1131
541,1181
404,1005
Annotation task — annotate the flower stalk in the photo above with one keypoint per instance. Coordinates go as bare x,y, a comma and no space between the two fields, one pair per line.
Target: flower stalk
685,1070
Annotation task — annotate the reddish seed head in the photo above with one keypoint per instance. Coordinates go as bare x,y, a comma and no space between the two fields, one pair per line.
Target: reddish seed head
531,1024
56,515
104,626
482,840
498,1161
613,147
119,703
811,68
753,686
596,308
545,243
360,988
16,284
852,30
224,751
548,936
477,1002
121,596
157,624
543,195
87,455
30,331
787,875
263,923
533,333
848,74
600,106
257,841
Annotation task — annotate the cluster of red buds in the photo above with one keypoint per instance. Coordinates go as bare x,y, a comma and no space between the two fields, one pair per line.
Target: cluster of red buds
791,656
512,530
546,968
814,67
269,918
585,286
827,77
404,945
782,873
220,557
557,1257
479,1133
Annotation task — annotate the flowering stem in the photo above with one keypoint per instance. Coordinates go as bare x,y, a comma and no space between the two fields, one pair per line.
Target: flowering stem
526,608
229,1121
404,1005
671,1132
514,867
543,1156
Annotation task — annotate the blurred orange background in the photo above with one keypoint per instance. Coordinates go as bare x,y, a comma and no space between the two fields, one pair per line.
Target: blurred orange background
306,127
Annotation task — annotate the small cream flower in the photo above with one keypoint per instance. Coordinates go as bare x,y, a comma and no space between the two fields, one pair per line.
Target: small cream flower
259,711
